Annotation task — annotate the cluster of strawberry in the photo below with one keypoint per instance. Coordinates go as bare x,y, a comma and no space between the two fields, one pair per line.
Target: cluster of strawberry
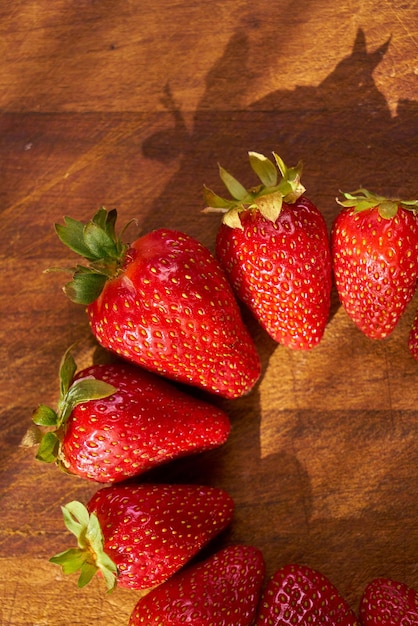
224,591
169,309
275,248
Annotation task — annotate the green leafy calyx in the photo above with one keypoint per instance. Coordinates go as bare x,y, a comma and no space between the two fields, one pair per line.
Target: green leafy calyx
72,393
267,197
89,557
99,246
363,200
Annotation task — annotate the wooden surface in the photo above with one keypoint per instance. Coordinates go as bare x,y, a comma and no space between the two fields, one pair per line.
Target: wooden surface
131,105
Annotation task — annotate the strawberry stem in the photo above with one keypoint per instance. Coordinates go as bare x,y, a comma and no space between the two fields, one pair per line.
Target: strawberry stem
267,197
363,200
72,393
89,557
99,245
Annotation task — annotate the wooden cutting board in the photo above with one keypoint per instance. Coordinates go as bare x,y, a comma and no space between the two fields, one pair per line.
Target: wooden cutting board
131,106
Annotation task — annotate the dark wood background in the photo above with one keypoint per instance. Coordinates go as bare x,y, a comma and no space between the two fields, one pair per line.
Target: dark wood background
131,105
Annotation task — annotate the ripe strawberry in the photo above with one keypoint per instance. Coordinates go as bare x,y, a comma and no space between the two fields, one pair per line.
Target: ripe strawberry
297,594
375,256
413,338
386,602
274,246
223,590
145,421
138,536
162,302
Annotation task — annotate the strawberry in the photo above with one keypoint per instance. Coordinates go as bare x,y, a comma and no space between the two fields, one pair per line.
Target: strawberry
138,536
375,256
145,421
297,594
162,302
413,338
386,602
223,590
274,246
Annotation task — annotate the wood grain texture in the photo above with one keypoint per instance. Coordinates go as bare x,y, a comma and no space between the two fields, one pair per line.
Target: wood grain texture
131,105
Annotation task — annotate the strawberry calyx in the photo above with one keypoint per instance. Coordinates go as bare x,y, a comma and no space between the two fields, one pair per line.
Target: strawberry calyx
266,197
89,557
362,200
97,242
72,393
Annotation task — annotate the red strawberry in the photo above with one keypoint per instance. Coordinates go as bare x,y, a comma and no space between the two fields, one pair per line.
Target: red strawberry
297,594
413,338
144,422
222,590
386,602
162,302
140,535
375,255
274,246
